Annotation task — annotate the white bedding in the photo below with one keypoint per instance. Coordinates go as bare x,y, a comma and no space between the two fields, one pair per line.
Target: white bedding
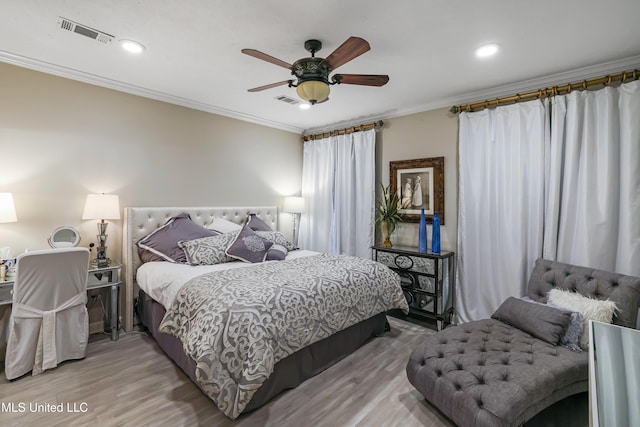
162,280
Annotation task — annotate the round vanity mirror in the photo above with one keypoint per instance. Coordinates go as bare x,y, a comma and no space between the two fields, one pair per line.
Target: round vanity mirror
64,237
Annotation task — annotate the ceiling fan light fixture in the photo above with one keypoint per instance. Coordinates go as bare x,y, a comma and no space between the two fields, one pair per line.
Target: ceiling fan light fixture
313,91
312,73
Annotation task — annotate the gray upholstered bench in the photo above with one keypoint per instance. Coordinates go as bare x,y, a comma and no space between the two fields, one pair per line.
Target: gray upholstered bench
489,373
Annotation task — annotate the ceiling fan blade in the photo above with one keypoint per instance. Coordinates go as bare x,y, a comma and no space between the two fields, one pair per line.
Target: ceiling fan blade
350,49
269,86
265,57
361,79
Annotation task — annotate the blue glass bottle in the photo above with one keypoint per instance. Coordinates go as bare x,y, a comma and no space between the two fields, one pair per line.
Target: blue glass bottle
422,233
435,234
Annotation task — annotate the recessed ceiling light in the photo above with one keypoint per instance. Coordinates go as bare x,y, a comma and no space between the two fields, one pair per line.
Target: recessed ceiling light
304,106
132,46
487,50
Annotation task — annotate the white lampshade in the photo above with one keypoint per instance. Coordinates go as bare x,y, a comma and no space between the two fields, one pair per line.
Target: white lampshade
102,206
293,205
7,208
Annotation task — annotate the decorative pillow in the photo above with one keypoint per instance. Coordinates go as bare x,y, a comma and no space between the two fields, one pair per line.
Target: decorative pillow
162,244
208,250
571,336
591,309
541,321
248,246
222,225
276,253
277,238
256,224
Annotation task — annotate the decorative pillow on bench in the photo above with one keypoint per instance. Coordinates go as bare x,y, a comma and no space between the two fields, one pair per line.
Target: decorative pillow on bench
571,337
546,323
591,309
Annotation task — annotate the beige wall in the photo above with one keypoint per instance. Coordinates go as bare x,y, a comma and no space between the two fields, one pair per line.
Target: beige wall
61,139
428,134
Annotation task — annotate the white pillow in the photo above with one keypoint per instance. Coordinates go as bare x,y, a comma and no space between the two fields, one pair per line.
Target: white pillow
222,225
591,309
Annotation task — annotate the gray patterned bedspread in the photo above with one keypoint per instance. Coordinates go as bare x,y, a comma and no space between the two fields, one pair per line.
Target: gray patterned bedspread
237,324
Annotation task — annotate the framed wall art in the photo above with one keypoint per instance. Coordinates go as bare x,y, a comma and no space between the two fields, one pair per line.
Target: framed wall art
419,184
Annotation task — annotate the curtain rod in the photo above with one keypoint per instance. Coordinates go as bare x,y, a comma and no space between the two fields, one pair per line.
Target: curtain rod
547,92
345,131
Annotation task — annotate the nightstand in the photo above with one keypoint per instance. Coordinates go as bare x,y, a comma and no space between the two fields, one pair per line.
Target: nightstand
427,281
104,278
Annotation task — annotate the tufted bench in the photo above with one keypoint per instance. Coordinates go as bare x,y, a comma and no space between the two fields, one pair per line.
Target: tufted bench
488,373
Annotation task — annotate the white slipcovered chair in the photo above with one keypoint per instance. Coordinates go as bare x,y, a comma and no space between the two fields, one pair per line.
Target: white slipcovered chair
49,321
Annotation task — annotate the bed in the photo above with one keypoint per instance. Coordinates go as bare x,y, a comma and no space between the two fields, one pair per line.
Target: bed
290,350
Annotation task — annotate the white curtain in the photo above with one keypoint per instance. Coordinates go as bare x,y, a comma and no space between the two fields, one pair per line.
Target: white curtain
338,185
593,202
318,181
559,180
501,202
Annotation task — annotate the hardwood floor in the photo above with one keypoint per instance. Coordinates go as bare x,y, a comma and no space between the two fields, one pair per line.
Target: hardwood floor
131,382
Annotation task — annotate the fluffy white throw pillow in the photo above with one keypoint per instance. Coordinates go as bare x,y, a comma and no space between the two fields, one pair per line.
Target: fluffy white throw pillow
591,309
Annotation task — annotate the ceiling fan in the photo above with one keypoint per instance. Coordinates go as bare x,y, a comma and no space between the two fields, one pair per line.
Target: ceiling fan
312,74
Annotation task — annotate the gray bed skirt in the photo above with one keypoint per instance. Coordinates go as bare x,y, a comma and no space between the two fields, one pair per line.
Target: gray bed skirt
290,371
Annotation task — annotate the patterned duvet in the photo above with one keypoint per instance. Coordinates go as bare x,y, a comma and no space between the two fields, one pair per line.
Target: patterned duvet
237,324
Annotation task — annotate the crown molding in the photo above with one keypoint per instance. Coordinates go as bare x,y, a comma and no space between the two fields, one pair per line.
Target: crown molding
571,76
93,79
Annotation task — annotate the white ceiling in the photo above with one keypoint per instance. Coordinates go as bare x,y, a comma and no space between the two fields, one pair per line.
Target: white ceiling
193,56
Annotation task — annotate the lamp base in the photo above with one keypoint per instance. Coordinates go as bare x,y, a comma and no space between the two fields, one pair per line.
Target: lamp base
101,259
101,248
100,263
295,227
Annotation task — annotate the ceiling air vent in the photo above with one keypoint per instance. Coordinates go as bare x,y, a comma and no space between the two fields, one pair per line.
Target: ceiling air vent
288,100
83,30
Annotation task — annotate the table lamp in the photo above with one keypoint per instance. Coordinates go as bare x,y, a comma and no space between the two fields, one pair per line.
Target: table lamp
7,208
101,206
295,206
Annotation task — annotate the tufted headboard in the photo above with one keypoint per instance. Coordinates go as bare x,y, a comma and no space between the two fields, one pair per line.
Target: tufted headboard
140,221
598,284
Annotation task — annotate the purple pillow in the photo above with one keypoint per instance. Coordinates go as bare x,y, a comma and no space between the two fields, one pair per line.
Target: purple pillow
162,244
256,224
276,253
248,246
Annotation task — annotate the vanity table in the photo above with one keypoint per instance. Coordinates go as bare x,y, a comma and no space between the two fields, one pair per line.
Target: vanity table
103,278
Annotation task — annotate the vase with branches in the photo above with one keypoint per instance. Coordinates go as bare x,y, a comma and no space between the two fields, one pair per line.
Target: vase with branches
387,214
